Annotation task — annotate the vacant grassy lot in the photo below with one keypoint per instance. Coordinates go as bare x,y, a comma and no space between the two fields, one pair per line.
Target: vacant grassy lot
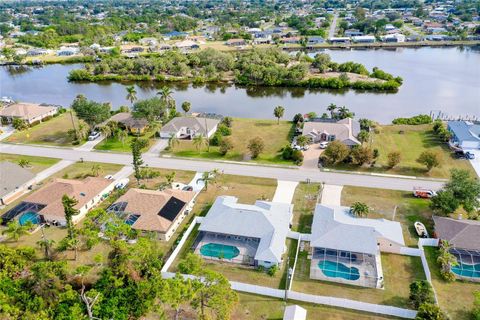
411,141
393,205
275,137
180,176
51,132
36,164
80,170
113,144
398,271
304,201
455,298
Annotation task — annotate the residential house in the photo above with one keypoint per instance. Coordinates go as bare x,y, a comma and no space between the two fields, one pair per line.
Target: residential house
346,249
29,112
189,127
13,181
313,40
235,42
249,234
463,236
46,203
37,52
334,40
148,42
345,130
186,45
353,33
290,40
465,134
126,121
156,211
396,37
363,39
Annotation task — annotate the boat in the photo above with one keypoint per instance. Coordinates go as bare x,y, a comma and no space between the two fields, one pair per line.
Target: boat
421,230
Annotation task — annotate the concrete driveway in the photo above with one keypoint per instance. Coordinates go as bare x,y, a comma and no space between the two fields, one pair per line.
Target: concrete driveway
310,157
285,191
331,195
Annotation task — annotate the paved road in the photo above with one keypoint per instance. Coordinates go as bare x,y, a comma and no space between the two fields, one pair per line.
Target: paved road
333,26
286,174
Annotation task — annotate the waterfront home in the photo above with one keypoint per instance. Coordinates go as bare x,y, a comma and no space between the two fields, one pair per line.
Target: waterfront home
463,236
353,33
363,39
46,203
345,131
13,181
396,37
126,121
346,249
235,42
37,52
247,234
465,134
290,40
29,112
312,40
161,212
334,40
189,127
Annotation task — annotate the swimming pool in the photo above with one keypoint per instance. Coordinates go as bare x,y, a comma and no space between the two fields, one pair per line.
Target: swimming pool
131,219
467,270
338,270
29,216
217,250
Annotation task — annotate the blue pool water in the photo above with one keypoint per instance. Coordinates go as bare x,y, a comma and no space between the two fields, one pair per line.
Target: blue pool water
467,270
131,219
338,270
29,216
217,250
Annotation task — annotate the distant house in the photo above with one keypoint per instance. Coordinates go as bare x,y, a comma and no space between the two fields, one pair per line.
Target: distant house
235,42
189,127
127,121
187,45
346,249
148,42
29,112
264,40
37,52
463,236
339,40
465,134
363,39
315,40
290,40
353,33
345,130
248,234
294,312
175,34
13,181
154,211
46,203
396,37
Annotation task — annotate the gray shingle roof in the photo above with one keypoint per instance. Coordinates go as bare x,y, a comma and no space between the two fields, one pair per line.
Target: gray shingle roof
463,234
194,123
465,131
12,176
267,221
335,228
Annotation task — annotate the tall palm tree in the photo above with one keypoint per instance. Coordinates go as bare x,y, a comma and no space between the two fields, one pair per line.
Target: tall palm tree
96,169
200,141
331,108
359,209
131,94
46,245
165,94
172,142
14,230
106,131
278,113
122,136
209,177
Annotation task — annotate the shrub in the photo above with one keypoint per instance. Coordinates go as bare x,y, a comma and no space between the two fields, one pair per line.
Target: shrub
415,120
394,158
430,311
272,270
227,121
297,157
216,139
225,146
361,155
287,152
256,146
335,153
19,124
430,159
421,292
224,130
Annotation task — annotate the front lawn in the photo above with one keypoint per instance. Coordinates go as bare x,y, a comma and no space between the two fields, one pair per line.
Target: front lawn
400,206
51,132
80,170
398,272
411,141
275,137
36,164
304,202
114,144
455,298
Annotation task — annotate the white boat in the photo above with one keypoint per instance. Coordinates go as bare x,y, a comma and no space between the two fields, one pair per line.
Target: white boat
421,230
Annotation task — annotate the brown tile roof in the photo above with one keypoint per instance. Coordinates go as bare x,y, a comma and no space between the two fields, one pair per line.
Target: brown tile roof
463,234
25,110
127,119
82,190
148,203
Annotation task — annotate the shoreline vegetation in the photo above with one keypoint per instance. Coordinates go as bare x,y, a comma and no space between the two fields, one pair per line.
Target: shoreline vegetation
258,67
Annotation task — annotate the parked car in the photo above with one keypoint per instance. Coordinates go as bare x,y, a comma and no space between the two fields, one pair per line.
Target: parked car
423,193
187,188
460,154
94,135
469,155
122,183
109,177
323,145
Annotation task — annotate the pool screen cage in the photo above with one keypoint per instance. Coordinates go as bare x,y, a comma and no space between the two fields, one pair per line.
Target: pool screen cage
246,246
19,209
347,267
468,266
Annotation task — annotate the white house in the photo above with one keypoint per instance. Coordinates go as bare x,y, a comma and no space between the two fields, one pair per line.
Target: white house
189,127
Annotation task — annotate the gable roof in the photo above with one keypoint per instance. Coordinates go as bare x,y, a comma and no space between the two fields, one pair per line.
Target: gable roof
463,234
156,209
465,131
345,130
127,119
26,110
12,176
197,124
82,190
267,221
335,228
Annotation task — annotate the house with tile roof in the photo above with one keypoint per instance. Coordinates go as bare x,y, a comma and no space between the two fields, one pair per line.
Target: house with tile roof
156,211
189,127
345,131
29,112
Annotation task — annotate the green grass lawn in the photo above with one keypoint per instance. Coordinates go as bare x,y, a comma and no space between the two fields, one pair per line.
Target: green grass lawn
398,271
275,137
51,132
383,202
113,144
455,298
304,201
37,164
80,170
411,141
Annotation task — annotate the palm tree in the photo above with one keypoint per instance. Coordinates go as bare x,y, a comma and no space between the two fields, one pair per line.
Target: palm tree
14,230
24,163
96,169
359,209
106,131
46,245
344,112
173,141
331,108
121,136
200,141
131,94
186,106
165,94
209,177
278,113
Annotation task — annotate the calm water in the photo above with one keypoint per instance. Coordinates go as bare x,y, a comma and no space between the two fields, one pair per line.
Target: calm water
446,79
